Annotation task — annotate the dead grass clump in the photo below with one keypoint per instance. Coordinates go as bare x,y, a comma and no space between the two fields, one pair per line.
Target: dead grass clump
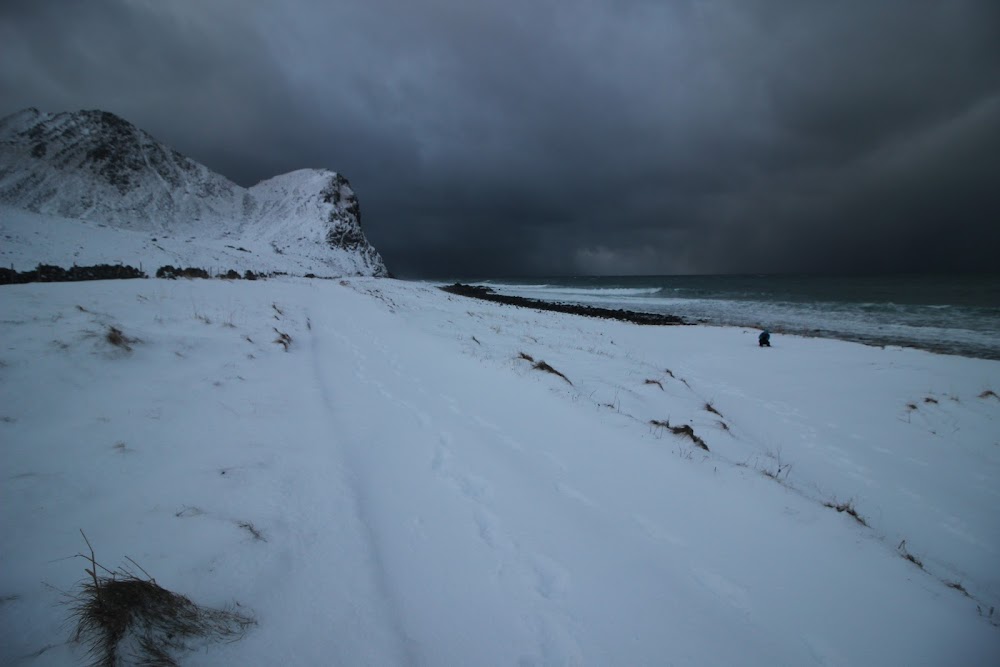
910,557
911,406
958,587
931,399
989,393
252,529
115,337
668,372
122,618
527,357
783,469
283,339
849,508
542,366
685,431
711,408
656,382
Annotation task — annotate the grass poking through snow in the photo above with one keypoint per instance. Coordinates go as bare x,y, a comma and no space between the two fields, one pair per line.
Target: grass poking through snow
115,337
126,619
283,339
849,508
542,366
684,431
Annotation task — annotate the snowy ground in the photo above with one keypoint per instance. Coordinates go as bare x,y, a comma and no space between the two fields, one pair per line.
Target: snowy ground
421,495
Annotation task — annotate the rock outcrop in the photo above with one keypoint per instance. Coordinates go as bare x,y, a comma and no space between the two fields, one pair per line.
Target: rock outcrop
94,166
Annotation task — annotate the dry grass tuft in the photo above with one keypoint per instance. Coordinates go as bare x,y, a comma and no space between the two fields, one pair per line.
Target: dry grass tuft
542,366
125,619
669,372
849,508
526,357
958,587
656,382
252,529
115,337
711,408
931,399
910,557
685,431
283,339
989,393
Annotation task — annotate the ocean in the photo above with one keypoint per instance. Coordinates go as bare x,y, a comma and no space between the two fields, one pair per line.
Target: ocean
950,314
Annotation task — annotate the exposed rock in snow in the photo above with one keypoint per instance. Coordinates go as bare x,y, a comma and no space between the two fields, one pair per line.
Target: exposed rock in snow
94,166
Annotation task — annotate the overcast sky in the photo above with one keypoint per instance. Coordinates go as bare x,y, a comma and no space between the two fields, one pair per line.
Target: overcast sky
534,137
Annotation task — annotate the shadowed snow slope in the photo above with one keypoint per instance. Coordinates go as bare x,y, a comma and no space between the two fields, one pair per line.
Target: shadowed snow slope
420,494
96,167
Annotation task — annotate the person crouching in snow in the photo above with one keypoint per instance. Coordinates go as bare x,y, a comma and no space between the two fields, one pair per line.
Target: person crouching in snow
764,339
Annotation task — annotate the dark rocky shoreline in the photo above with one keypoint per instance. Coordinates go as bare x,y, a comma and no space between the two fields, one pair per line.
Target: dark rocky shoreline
487,294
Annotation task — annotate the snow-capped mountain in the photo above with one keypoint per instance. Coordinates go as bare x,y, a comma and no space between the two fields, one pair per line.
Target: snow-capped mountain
91,169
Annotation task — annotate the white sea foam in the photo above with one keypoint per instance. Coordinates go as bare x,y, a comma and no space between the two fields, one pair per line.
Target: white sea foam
960,329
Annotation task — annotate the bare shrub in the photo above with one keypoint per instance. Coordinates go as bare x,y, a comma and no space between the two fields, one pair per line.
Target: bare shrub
122,617
542,366
656,382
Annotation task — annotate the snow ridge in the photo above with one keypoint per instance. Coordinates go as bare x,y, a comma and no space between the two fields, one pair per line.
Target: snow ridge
95,166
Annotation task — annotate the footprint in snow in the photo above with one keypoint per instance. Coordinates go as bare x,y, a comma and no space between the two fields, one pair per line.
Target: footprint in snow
572,493
551,578
725,589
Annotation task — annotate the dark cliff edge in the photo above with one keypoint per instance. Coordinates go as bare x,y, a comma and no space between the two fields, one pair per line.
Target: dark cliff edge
486,294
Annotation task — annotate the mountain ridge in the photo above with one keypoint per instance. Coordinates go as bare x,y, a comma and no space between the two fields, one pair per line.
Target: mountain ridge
95,167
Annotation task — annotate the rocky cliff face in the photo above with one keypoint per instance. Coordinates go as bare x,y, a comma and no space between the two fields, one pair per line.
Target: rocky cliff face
94,166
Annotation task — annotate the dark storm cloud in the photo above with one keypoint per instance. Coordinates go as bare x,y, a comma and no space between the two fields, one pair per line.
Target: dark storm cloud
595,136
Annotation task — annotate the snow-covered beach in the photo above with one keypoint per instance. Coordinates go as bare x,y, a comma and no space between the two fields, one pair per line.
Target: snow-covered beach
406,484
